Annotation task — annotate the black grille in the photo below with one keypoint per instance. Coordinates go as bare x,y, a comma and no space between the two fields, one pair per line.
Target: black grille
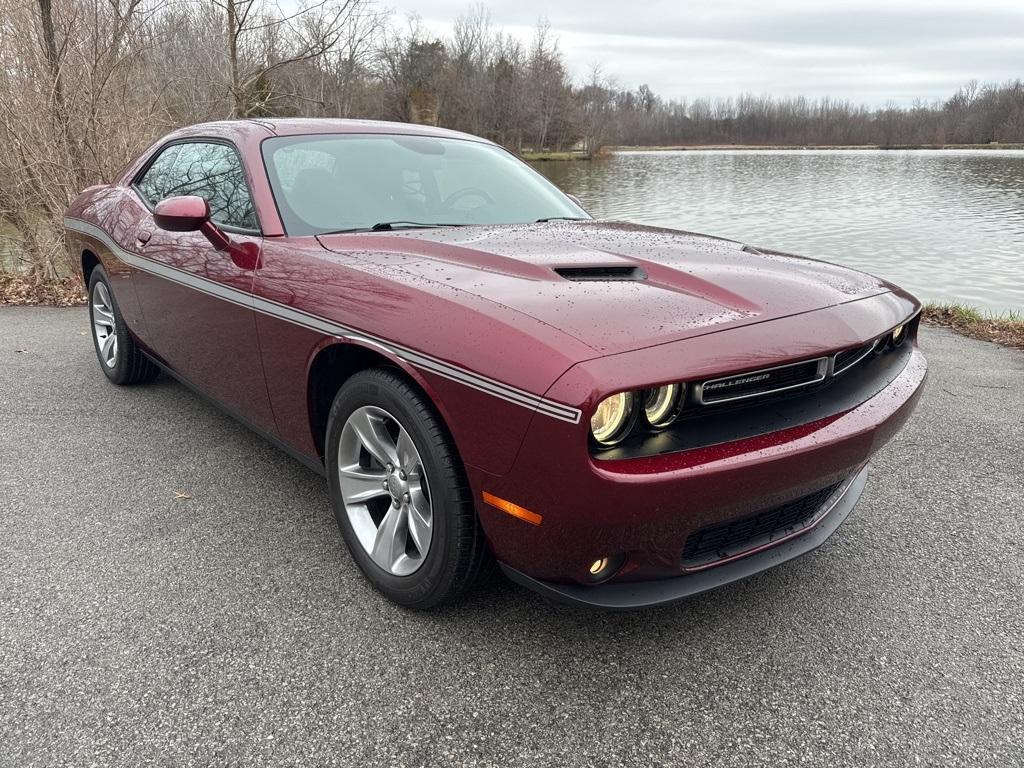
757,382
847,357
716,542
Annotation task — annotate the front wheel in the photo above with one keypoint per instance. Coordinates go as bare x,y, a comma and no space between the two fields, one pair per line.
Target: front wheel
399,492
120,358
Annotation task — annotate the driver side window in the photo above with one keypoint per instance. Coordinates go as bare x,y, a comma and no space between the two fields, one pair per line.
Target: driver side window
208,170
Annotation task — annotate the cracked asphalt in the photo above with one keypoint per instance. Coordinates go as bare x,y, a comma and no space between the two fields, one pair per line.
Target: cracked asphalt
174,592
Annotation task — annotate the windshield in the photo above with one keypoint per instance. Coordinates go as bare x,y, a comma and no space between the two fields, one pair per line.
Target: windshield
356,182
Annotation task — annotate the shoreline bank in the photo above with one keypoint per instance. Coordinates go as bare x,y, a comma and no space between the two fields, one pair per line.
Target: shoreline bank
556,157
1006,329
794,147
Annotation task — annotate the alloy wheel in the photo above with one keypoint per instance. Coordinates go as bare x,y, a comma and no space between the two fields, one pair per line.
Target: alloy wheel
384,489
104,324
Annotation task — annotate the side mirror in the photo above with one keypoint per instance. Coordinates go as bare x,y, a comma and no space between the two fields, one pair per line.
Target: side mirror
575,200
185,213
188,213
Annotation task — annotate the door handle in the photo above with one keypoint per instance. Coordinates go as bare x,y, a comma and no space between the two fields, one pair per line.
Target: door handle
143,236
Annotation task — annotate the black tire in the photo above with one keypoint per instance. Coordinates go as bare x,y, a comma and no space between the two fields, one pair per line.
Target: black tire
130,365
458,548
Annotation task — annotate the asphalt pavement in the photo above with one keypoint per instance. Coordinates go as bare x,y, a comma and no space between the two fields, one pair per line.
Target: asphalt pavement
174,592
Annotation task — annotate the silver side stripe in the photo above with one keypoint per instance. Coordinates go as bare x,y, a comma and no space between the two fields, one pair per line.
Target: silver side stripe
264,306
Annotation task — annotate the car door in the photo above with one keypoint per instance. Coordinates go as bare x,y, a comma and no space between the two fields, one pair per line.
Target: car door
196,301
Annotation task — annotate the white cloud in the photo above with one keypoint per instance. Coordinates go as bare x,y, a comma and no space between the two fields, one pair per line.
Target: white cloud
872,52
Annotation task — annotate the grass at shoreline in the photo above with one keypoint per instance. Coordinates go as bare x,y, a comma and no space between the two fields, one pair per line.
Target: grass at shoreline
711,147
1007,329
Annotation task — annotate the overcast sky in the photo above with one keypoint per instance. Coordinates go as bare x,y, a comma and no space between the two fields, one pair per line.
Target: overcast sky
870,52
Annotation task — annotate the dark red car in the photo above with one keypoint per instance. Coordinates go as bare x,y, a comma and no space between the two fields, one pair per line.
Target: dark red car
620,415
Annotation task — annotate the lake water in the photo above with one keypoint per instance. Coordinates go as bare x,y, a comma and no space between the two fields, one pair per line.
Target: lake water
947,225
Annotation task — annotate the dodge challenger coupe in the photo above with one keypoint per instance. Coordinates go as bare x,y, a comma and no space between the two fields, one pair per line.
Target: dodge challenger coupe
619,415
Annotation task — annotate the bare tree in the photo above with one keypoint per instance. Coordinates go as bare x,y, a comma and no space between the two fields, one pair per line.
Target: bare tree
596,111
550,107
259,43
68,117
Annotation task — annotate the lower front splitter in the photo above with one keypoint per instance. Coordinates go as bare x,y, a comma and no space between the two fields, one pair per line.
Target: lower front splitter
646,594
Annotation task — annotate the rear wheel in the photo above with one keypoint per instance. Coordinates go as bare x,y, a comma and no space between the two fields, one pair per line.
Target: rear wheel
399,492
120,358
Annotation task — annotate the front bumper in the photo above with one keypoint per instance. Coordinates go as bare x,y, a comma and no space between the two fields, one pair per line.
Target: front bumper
646,510
632,595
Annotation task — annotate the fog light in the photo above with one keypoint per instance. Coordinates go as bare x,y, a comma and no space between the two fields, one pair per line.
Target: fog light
899,335
604,568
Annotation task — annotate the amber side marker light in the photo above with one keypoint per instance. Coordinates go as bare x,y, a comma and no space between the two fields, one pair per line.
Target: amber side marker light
512,509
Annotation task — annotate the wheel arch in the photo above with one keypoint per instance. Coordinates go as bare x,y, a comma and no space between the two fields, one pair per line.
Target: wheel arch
334,362
89,262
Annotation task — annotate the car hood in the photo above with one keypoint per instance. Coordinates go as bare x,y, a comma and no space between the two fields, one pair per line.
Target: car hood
615,286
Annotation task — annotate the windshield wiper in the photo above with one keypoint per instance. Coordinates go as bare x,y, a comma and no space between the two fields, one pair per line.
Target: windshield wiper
561,218
387,226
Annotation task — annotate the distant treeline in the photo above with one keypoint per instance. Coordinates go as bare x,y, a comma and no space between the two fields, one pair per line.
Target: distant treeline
87,84
975,114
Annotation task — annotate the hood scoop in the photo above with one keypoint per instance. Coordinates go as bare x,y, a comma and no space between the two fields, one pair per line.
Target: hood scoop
604,274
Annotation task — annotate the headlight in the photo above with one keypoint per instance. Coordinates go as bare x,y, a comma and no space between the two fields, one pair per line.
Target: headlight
899,335
611,420
661,405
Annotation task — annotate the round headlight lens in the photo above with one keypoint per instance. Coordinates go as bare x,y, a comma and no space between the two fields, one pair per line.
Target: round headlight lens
899,335
662,405
610,421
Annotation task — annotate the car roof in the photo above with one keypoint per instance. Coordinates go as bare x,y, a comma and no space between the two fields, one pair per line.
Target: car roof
297,126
